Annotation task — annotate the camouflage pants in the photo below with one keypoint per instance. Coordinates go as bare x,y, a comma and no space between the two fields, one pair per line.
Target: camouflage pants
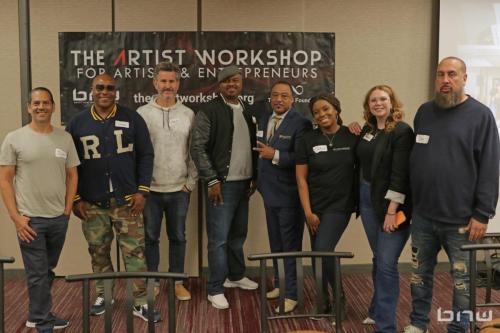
98,230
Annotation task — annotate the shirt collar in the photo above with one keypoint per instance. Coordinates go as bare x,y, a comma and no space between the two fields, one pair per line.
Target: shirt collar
96,115
281,116
163,108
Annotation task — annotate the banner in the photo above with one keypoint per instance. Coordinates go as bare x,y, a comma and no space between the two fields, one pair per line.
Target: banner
304,59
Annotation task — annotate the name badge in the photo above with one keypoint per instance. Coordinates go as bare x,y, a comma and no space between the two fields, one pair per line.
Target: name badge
260,134
61,153
123,124
285,137
368,137
320,148
421,138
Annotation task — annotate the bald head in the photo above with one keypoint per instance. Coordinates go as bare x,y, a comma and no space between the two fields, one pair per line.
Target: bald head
460,63
451,77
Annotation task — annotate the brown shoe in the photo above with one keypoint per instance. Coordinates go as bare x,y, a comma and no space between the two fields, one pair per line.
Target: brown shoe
181,293
275,293
290,305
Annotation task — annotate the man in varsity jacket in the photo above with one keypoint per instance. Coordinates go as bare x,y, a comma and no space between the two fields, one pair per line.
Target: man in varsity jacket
116,156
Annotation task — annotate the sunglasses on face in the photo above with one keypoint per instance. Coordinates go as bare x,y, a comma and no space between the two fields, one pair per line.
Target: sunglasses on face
108,87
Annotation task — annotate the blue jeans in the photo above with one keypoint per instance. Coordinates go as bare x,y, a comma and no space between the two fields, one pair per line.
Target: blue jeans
40,257
227,231
386,248
175,206
331,227
428,236
285,228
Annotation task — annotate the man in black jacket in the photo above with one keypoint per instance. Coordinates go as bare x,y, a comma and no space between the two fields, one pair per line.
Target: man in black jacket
221,147
454,180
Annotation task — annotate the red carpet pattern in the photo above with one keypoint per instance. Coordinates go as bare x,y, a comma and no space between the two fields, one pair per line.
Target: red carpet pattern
198,316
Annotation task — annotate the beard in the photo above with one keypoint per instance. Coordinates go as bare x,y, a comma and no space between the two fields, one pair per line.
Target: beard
446,101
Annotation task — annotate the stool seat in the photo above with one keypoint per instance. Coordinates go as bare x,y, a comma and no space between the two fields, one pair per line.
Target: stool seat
486,327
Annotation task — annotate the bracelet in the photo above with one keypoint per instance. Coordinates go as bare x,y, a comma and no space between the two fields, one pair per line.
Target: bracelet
390,214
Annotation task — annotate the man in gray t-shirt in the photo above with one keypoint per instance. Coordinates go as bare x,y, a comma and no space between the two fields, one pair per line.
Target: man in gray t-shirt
38,181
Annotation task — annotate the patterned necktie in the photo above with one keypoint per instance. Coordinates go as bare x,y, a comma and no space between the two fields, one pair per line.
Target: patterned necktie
273,125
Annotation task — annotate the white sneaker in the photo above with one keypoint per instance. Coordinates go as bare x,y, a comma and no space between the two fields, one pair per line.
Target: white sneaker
414,329
368,321
244,283
218,301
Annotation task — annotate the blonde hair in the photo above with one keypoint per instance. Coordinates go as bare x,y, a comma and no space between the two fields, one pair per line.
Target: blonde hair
396,112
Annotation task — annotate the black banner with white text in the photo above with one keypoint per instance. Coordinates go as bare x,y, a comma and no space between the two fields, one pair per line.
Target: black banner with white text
306,60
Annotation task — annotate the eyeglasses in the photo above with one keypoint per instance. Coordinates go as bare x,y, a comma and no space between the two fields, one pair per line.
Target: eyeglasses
108,87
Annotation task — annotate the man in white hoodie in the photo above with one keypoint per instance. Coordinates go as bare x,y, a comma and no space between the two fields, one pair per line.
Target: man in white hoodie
174,173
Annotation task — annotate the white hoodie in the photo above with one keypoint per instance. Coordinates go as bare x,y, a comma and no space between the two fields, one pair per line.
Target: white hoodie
170,131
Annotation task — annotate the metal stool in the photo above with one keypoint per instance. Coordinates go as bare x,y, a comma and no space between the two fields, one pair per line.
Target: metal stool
319,301
129,299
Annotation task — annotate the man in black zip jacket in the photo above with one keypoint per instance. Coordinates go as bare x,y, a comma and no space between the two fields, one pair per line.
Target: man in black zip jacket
454,179
221,147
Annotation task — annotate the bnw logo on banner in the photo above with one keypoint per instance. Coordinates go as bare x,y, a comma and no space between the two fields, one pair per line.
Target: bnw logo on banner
305,60
84,97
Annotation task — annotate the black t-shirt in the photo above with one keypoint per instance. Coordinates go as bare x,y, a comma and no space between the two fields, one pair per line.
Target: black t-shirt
331,169
365,151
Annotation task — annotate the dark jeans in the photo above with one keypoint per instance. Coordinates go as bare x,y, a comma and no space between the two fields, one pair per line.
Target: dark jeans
331,227
386,248
227,231
428,236
285,227
40,257
175,206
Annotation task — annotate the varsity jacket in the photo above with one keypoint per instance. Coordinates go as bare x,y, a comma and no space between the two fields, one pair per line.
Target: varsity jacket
116,155
212,138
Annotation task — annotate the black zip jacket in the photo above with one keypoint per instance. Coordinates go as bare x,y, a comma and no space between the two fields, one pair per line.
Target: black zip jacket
212,140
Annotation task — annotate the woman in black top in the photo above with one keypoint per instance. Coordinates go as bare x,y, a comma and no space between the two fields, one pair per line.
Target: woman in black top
383,153
325,171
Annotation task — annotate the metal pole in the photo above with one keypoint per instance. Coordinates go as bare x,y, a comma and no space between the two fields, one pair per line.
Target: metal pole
200,183
472,284
24,56
86,306
263,303
2,299
337,289
118,268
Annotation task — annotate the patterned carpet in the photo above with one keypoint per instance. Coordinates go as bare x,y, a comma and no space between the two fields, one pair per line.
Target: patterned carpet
198,316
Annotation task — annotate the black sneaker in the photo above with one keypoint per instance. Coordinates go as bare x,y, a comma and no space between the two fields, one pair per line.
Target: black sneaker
59,323
141,311
98,307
